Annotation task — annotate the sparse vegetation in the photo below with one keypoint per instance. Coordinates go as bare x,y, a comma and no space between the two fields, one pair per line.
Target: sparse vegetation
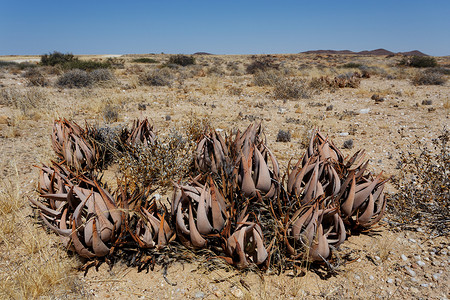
262,64
75,79
267,78
68,62
157,77
428,77
419,61
423,195
145,60
182,60
289,89
35,77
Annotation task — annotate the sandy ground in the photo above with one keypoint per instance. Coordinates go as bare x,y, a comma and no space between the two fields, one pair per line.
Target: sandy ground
386,263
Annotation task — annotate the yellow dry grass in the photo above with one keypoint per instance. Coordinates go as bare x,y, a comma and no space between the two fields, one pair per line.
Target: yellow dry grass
33,264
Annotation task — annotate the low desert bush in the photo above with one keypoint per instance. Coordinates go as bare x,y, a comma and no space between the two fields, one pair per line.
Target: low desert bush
283,136
145,60
418,61
157,77
352,65
428,77
56,58
68,62
423,185
102,76
75,79
181,60
262,64
28,100
289,89
111,113
267,78
35,77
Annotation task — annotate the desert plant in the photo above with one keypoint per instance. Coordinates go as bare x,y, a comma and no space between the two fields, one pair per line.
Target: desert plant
35,77
157,77
102,76
56,58
261,65
428,77
289,89
182,60
75,79
145,60
268,77
111,113
351,65
283,136
29,100
418,61
86,65
423,185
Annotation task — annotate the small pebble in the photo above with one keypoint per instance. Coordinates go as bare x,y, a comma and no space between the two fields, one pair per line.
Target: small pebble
330,107
364,111
414,290
371,277
199,295
425,285
377,257
436,276
411,272
344,134
420,263
412,240
389,280
404,257
168,118
427,102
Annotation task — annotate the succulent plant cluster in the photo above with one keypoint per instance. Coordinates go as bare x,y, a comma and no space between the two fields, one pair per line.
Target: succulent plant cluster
236,203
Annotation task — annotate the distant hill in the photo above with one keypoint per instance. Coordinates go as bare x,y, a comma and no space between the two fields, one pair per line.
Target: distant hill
202,53
366,52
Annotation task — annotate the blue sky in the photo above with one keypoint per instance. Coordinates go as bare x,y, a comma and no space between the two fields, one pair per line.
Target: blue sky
222,27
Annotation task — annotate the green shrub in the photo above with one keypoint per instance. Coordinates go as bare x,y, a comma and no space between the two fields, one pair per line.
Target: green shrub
182,60
145,60
68,62
56,58
419,61
75,79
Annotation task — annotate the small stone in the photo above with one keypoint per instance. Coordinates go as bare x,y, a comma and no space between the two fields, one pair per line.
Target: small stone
419,229
404,257
371,277
364,111
414,290
425,285
377,257
389,280
142,106
281,110
237,292
168,118
412,240
199,295
436,276
427,102
411,272
343,134
329,107
348,144
357,277
420,263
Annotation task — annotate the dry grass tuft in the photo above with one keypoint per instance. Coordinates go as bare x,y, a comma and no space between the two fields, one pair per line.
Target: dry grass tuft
32,264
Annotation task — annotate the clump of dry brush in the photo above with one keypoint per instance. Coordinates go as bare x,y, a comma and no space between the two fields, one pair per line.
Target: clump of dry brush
423,185
232,202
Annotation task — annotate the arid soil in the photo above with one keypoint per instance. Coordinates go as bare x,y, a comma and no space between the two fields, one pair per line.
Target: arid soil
385,262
